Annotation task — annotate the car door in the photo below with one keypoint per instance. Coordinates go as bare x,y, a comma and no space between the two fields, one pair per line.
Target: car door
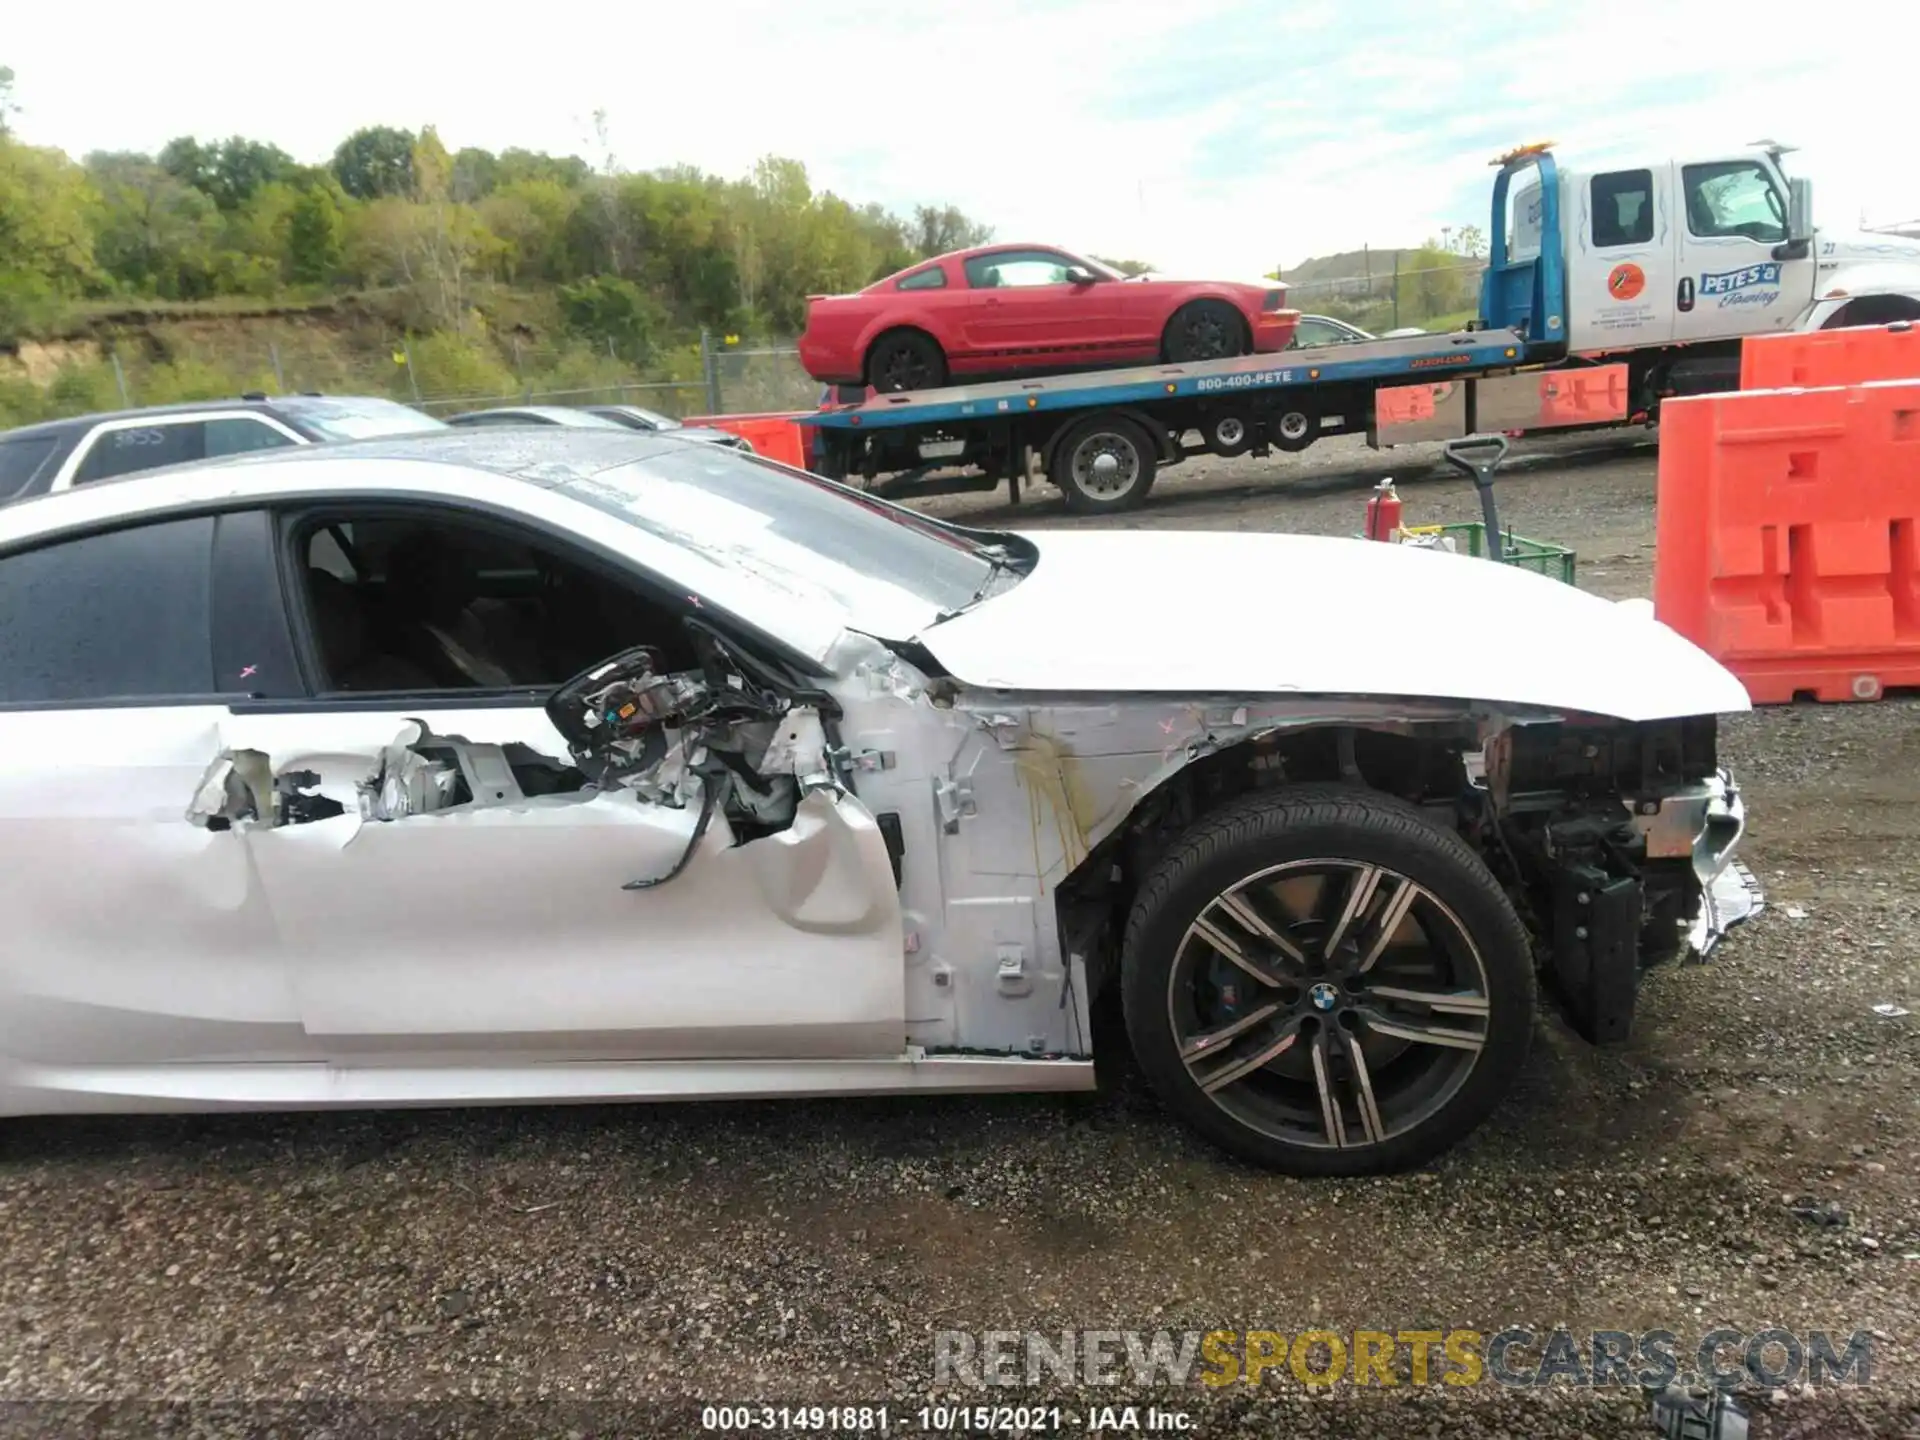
1621,279
514,927
130,444
1732,216
133,937
1021,308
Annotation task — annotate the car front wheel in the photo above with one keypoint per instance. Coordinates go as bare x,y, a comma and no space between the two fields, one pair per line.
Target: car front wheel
1325,982
1204,330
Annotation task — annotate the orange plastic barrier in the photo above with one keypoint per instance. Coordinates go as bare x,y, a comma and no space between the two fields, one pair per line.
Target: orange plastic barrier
1830,357
1785,539
778,437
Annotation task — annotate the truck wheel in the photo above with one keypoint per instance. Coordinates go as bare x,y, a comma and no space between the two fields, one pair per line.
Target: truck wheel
906,360
1204,330
1324,982
1103,464
1294,430
1228,434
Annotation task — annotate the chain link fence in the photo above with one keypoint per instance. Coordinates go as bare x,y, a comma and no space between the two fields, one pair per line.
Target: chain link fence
1409,289
441,374
727,378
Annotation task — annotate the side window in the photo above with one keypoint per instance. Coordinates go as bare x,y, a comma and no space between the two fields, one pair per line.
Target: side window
1622,208
437,601
1733,198
21,460
932,279
123,615
1309,333
1013,269
237,434
141,447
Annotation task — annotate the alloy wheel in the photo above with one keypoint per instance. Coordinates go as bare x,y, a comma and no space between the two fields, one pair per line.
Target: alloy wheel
1328,1003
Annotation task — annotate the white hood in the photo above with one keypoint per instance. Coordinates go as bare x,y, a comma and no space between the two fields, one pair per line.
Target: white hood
1191,612
1863,245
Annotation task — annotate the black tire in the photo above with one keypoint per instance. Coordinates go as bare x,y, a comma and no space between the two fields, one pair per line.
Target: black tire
1103,464
1873,310
906,360
1204,330
1294,429
1270,1110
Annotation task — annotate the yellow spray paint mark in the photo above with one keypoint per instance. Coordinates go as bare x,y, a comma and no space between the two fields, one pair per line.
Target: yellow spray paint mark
1053,781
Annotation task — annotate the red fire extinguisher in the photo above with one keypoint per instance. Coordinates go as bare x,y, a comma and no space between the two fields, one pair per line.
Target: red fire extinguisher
1383,512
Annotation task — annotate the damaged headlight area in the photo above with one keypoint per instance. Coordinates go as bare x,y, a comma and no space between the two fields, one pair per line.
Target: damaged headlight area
1622,839
710,739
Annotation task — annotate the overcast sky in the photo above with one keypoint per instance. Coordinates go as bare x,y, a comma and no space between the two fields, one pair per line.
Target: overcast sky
1217,136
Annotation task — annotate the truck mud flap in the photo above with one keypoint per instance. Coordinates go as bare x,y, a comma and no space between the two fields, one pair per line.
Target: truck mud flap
1530,400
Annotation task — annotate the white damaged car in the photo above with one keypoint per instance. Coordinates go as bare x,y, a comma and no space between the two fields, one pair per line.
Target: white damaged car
517,766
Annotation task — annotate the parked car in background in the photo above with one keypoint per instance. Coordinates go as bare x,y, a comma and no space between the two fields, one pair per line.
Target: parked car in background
59,454
565,415
1030,309
1314,331
598,417
456,770
638,417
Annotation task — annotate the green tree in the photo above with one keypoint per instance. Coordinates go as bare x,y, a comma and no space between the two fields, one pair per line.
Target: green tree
605,307
243,167
513,165
1127,267
374,162
47,213
228,172
316,237
530,216
939,229
475,172
155,235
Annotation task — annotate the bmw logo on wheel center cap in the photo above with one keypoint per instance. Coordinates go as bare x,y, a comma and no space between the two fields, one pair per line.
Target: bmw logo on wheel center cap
1324,996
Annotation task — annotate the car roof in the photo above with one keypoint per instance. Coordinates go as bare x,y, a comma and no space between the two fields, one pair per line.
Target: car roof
998,247
524,471
71,424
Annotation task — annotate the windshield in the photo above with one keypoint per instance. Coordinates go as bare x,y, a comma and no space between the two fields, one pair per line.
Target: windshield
357,418
885,567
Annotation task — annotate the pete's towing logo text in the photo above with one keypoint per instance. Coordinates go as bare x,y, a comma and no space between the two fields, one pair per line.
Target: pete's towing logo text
1748,286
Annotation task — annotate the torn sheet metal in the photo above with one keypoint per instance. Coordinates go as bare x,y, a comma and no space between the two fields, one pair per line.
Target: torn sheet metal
1730,892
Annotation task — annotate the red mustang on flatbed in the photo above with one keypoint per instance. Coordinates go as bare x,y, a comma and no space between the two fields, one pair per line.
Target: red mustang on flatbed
1029,309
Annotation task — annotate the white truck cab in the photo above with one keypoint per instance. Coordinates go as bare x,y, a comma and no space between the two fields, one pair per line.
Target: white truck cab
1677,252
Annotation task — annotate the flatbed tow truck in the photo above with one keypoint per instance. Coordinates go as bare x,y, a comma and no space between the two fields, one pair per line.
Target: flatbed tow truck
1665,268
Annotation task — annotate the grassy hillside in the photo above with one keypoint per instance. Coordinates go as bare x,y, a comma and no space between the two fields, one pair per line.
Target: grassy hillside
517,347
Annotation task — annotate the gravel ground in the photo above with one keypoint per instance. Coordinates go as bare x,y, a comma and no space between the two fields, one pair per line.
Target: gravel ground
602,1270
